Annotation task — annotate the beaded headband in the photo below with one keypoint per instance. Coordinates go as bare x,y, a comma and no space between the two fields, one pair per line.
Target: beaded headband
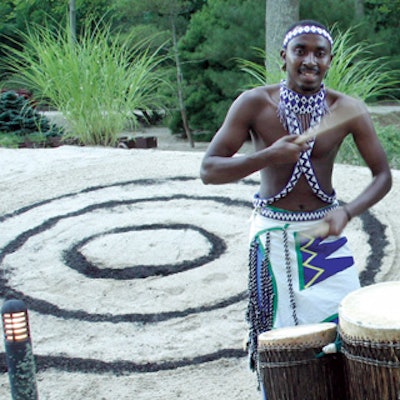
305,29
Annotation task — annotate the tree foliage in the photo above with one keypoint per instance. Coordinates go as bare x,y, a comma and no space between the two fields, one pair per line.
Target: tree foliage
20,122
212,35
353,71
18,14
217,34
379,24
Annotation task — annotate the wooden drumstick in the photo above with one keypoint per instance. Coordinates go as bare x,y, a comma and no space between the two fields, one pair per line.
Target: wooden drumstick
329,122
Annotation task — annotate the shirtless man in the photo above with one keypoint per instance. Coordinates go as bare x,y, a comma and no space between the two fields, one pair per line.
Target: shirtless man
296,191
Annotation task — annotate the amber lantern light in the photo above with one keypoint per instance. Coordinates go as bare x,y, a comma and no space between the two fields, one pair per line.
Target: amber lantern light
18,346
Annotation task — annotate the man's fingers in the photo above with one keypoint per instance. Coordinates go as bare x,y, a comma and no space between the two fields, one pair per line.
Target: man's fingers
319,230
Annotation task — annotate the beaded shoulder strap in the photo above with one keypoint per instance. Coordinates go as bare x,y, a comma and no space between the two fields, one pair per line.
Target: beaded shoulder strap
297,113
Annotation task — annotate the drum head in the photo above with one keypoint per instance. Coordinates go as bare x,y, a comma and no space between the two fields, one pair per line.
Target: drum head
323,333
372,312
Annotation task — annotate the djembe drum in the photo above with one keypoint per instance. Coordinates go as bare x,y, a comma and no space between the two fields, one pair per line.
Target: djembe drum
293,366
369,325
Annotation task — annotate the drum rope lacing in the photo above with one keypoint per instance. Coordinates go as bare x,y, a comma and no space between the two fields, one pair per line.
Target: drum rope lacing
291,363
393,351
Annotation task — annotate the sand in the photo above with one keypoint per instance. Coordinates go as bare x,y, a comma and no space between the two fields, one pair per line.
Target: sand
135,273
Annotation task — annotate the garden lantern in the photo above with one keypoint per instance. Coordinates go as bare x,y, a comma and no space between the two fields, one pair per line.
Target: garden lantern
19,355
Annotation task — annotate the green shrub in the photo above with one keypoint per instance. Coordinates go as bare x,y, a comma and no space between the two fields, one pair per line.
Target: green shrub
389,135
20,122
97,83
355,72
257,71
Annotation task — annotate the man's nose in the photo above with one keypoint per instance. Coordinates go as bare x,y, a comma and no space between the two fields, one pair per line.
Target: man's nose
310,59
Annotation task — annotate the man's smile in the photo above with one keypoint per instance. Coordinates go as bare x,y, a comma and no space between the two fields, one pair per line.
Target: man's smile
309,71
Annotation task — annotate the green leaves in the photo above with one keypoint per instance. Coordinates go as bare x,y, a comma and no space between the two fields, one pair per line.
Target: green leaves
97,83
20,122
355,72
217,34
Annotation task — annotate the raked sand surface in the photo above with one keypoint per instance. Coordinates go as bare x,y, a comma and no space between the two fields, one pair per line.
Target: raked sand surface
135,273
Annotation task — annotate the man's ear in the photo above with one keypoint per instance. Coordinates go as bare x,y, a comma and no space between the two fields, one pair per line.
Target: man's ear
332,55
283,57
329,66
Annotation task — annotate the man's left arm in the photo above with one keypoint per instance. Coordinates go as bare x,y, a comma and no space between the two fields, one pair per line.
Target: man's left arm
371,150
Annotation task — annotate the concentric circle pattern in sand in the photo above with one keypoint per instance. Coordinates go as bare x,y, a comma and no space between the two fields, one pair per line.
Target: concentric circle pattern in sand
130,266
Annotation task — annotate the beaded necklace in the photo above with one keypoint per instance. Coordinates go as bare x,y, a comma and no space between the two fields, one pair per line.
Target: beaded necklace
298,112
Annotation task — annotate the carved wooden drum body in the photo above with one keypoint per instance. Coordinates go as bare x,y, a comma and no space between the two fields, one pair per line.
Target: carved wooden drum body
369,324
293,366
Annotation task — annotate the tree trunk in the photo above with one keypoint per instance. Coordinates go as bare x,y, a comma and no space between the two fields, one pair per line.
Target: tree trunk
280,14
359,9
72,19
179,80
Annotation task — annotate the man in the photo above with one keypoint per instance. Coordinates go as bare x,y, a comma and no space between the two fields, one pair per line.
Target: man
286,285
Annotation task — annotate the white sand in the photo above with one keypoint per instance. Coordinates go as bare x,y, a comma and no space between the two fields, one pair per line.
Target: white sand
142,207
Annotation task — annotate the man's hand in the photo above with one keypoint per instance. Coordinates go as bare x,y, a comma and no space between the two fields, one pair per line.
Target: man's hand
286,150
332,225
336,221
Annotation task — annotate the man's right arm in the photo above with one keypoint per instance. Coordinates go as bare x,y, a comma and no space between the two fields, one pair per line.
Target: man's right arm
221,164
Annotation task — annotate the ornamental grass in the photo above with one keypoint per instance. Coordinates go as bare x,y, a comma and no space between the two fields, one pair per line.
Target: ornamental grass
96,82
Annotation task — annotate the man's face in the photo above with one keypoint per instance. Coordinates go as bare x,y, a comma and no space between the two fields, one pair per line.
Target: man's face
307,59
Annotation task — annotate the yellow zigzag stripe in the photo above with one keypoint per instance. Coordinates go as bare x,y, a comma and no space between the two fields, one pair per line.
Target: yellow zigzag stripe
307,264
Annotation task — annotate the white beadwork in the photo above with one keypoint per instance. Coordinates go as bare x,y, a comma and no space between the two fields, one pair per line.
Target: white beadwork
301,30
292,104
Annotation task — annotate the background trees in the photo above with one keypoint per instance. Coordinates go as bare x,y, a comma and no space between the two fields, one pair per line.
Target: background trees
173,16
206,37
216,35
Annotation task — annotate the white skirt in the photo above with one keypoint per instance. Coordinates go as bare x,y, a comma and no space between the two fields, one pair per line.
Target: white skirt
295,278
